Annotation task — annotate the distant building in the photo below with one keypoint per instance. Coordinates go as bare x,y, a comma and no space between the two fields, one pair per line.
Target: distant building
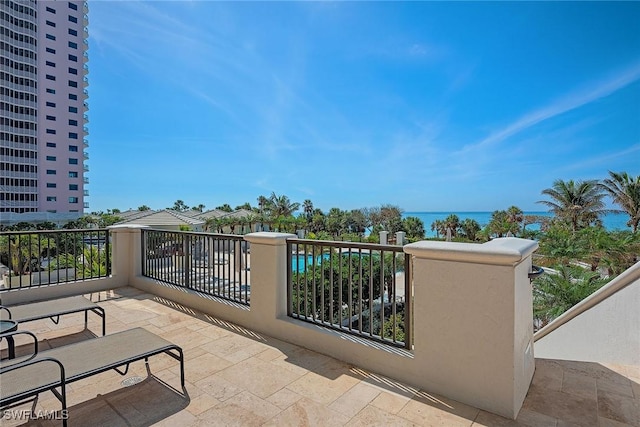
43,81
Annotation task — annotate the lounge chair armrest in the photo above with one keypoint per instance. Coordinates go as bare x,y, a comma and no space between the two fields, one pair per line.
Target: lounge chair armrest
14,333
2,307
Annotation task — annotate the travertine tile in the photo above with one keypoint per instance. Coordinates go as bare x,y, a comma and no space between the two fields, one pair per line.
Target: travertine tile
320,388
306,412
284,398
621,386
579,385
618,408
390,402
262,378
202,403
245,409
355,399
562,406
535,419
234,348
376,417
438,411
606,422
487,419
197,368
548,375
218,387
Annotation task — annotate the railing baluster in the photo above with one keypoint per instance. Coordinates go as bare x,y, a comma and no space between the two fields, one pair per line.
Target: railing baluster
352,284
83,251
213,264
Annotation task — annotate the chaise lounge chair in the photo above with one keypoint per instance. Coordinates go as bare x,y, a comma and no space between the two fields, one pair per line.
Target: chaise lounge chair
53,309
26,377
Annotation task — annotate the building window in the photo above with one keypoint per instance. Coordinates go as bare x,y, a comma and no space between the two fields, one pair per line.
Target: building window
73,71
51,144
51,131
50,64
73,161
73,122
73,96
50,50
51,104
73,19
51,10
51,158
73,6
73,200
51,172
50,77
73,135
73,174
53,91
52,198
51,24
51,37
72,32
73,58
73,109
73,84
51,185
52,118
73,187
73,148
73,45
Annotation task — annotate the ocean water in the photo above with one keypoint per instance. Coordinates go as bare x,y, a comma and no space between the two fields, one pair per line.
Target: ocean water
610,221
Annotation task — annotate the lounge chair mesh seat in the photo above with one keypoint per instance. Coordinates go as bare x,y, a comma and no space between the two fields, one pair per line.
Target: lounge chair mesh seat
84,359
37,376
91,356
52,309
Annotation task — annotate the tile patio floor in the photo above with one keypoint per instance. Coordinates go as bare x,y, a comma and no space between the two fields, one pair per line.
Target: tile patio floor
235,377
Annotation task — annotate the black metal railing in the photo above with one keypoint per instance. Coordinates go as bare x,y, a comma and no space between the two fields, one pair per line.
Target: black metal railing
359,288
37,258
214,264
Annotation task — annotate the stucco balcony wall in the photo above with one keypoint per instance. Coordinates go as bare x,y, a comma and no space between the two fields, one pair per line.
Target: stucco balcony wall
472,314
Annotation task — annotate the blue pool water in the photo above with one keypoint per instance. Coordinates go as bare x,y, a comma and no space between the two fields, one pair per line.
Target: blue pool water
300,262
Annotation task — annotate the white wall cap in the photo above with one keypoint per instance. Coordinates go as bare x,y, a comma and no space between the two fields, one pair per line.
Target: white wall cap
501,251
268,238
121,226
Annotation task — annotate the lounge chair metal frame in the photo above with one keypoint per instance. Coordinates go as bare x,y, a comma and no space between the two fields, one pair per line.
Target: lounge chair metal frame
100,354
22,397
23,313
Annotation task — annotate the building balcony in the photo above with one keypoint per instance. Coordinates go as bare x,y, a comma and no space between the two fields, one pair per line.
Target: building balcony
250,363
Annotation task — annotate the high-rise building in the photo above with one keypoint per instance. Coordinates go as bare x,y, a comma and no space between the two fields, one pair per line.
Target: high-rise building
43,107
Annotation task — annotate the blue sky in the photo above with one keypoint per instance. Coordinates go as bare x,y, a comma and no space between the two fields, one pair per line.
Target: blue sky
431,106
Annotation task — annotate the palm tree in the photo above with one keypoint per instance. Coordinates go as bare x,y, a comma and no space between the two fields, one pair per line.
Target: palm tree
555,293
452,222
470,228
211,224
282,206
307,207
515,216
625,192
577,202
179,206
262,203
439,227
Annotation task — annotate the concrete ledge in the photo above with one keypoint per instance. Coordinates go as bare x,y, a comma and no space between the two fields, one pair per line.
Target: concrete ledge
501,251
268,238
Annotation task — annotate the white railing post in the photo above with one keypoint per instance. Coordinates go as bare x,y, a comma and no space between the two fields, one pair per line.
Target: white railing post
126,260
268,278
474,322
